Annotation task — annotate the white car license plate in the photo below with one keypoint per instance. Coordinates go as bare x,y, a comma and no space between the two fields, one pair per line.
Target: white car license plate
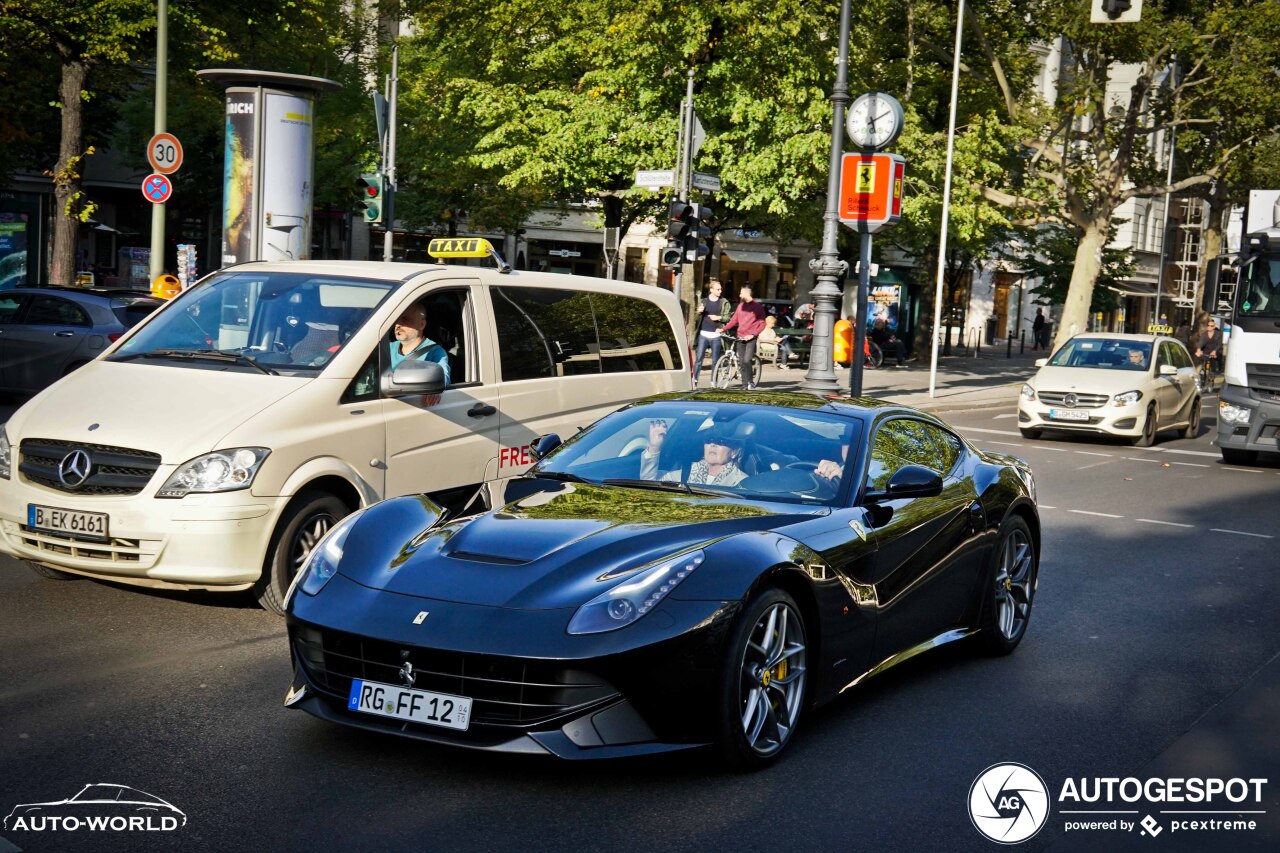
405,703
87,525
1068,415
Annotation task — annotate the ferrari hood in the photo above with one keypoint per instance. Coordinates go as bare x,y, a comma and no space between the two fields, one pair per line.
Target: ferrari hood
554,549
174,411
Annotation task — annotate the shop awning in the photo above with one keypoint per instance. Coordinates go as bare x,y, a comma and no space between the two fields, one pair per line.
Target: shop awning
1133,288
752,256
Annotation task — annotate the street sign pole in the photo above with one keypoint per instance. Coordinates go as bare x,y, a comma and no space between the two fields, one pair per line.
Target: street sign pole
828,267
161,119
688,287
389,161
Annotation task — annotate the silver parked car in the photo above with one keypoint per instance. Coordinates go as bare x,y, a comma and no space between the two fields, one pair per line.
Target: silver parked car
47,332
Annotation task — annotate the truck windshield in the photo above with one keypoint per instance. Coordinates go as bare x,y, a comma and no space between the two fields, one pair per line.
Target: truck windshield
286,322
1260,288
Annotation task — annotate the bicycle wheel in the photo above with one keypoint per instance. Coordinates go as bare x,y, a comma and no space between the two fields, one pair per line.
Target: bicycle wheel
726,371
875,355
757,372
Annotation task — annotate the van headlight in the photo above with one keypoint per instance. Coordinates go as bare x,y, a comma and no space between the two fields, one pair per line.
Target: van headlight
1126,398
635,596
322,562
4,453
220,471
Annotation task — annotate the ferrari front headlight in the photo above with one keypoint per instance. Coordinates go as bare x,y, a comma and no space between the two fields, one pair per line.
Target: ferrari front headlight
220,471
322,563
634,597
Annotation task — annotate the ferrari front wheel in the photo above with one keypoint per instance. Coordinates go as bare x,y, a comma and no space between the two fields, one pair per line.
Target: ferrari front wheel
763,682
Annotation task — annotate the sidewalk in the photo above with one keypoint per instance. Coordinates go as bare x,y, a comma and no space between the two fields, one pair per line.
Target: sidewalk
986,380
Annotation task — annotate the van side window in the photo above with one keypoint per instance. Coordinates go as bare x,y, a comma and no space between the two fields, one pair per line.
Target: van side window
634,335
365,385
544,332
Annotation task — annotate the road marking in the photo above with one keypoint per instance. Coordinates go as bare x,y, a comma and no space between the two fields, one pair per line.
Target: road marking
1007,415
1046,506
1190,464
1169,523
1102,514
1094,465
994,431
1140,459
1091,453
1241,533
1004,443
1242,470
1191,452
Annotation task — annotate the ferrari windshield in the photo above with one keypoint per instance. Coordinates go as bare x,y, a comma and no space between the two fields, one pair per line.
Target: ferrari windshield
1104,354
765,452
274,322
1260,288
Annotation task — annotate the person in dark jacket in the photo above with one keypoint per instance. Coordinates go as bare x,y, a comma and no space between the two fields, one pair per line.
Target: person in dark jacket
713,313
748,319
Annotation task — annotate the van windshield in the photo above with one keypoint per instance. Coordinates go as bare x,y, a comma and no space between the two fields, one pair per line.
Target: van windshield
274,322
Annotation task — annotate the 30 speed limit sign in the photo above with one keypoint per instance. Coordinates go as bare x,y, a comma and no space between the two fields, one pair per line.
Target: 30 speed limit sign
165,153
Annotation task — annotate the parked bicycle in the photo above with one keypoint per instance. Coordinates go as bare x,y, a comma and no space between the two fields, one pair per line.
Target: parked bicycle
728,370
872,355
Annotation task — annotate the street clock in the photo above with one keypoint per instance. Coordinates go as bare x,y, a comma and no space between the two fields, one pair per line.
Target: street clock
875,120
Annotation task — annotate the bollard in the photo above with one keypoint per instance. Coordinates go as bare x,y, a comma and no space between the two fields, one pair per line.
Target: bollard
1022,341
1008,350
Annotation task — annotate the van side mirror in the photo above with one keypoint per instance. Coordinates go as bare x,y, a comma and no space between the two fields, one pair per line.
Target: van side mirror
544,444
413,377
910,481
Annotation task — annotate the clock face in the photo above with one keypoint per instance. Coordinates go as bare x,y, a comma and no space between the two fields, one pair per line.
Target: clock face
875,120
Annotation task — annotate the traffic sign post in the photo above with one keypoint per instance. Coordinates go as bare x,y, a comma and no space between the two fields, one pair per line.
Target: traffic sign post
871,190
164,152
157,189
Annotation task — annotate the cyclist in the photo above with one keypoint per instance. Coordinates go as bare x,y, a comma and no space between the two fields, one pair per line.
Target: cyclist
1209,350
748,318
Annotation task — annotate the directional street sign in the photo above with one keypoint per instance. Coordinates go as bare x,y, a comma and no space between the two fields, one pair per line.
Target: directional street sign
164,151
655,178
703,181
157,189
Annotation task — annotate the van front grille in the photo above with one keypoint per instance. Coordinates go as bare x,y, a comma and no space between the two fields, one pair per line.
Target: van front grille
112,470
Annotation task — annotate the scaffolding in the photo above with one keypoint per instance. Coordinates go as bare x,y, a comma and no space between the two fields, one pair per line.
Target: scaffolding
1191,243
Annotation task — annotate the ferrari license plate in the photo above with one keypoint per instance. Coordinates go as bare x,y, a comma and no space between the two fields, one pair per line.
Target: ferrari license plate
405,703
86,525
1068,415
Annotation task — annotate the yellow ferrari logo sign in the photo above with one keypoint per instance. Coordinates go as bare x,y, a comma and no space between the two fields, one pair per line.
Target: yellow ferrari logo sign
458,247
865,181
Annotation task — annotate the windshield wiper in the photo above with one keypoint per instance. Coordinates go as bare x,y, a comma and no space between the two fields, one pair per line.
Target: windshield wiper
199,355
666,486
563,476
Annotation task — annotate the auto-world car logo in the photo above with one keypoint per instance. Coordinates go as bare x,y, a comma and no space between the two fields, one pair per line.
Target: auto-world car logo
74,468
1008,803
98,808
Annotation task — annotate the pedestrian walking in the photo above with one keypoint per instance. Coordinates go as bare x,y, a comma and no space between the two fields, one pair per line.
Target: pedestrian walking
713,314
1037,330
748,319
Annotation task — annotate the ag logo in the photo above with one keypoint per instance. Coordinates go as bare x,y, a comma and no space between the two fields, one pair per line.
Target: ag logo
1008,803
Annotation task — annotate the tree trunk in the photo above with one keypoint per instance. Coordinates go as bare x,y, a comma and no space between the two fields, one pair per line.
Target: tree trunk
66,175
1088,263
1212,235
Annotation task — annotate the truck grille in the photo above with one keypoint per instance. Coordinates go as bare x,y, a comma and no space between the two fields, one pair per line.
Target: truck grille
1264,380
507,692
113,470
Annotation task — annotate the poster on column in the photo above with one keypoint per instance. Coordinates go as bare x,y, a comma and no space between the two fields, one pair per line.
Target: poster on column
13,249
883,302
286,177
239,165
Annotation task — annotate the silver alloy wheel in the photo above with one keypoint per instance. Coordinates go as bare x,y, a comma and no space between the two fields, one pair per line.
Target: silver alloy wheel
773,673
309,533
1014,585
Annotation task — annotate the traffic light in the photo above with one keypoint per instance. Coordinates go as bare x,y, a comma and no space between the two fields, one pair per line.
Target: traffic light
673,254
695,245
1115,11
1116,8
679,219
371,190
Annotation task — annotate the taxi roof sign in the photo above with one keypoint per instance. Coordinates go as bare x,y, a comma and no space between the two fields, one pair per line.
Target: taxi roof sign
466,247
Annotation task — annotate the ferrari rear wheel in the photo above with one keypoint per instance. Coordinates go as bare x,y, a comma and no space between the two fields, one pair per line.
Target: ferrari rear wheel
763,683
1010,590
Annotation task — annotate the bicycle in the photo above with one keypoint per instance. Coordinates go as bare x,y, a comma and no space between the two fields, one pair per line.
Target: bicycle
1208,372
727,372
872,355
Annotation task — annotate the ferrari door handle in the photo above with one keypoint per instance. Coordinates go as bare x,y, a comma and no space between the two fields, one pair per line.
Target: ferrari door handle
63,334
481,410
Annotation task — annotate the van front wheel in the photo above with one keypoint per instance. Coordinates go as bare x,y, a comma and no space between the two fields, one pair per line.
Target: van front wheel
303,524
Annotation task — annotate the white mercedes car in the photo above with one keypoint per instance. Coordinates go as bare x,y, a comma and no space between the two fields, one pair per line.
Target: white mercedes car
1131,386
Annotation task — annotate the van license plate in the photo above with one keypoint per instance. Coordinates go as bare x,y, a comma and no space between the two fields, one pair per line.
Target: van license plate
1068,415
84,525
405,703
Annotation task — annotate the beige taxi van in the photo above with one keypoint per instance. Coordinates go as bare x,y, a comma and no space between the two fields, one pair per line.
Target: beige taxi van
217,442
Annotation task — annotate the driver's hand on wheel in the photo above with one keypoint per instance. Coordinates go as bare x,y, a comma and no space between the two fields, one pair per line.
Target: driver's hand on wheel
828,469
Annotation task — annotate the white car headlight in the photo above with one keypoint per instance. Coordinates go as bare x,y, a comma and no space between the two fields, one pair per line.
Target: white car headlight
220,471
1028,393
1127,398
635,596
4,453
1226,412
322,562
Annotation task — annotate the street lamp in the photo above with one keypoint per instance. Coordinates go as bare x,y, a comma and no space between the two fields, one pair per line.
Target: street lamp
946,200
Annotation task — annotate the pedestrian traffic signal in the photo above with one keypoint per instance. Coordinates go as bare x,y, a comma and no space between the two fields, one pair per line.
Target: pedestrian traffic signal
371,190
696,241
673,254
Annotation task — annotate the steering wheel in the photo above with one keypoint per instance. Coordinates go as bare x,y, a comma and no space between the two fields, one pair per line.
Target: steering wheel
804,466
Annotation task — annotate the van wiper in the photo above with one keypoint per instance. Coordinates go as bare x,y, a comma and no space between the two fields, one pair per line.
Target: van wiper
562,476
664,485
199,355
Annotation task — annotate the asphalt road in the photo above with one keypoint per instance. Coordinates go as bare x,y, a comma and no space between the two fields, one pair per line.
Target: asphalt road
1158,606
